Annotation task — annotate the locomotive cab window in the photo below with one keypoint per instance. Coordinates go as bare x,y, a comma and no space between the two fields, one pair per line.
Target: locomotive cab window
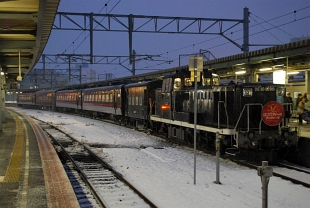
187,82
167,83
216,81
206,82
177,84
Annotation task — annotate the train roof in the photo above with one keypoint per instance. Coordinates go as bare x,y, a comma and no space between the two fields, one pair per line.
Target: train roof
103,88
144,83
68,91
45,91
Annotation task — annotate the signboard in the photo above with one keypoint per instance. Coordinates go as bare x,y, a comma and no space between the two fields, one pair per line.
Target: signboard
272,113
195,62
279,77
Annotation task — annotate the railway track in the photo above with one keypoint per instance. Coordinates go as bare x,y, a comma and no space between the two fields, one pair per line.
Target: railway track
108,188
290,172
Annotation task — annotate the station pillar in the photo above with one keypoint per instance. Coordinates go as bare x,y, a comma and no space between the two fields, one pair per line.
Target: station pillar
1,100
307,82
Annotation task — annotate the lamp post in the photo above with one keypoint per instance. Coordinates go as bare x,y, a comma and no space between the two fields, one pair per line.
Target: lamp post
195,65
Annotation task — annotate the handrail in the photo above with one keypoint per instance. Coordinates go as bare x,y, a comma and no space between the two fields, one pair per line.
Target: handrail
248,116
290,108
218,114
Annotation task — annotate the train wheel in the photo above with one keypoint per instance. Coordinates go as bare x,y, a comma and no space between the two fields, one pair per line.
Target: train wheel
189,137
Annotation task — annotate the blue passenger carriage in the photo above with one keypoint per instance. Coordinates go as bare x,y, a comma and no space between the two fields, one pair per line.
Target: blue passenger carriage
26,100
45,99
103,101
69,100
139,103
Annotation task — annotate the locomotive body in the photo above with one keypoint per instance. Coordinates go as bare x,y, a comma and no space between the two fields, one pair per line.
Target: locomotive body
233,111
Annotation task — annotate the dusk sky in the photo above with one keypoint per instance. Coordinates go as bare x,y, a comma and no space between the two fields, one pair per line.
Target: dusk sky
271,22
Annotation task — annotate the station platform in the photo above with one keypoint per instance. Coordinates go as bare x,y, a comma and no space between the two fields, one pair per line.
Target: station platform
31,174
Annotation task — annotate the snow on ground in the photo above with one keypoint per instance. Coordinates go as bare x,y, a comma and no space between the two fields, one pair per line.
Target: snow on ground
165,173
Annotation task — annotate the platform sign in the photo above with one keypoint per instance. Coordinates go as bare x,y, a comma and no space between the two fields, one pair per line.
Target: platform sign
195,62
272,113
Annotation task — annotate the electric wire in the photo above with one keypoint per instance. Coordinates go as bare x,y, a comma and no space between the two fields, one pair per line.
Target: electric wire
258,24
212,39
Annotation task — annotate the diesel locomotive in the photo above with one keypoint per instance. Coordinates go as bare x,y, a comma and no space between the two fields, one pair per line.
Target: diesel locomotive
166,106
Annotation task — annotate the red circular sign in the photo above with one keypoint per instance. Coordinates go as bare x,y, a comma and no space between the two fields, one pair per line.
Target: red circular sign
272,113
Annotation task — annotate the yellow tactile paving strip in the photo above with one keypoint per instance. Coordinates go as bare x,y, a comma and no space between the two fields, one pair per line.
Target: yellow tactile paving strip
59,192
14,168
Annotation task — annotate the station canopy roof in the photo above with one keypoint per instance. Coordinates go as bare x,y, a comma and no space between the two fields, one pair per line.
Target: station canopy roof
25,26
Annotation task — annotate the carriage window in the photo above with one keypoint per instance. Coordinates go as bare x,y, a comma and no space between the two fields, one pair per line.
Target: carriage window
111,97
132,100
166,87
187,82
216,81
206,82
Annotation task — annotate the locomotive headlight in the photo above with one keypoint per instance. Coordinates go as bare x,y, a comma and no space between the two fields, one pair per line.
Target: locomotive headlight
165,107
247,92
280,91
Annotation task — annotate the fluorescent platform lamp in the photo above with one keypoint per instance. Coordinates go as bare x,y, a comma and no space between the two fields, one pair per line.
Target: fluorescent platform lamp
240,72
279,77
265,69
293,72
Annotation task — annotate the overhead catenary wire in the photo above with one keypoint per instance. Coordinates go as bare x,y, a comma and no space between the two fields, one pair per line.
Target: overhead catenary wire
227,42
211,39
258,24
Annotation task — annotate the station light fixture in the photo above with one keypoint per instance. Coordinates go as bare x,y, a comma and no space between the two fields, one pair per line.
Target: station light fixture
240,72
293,72
265,69
278,66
